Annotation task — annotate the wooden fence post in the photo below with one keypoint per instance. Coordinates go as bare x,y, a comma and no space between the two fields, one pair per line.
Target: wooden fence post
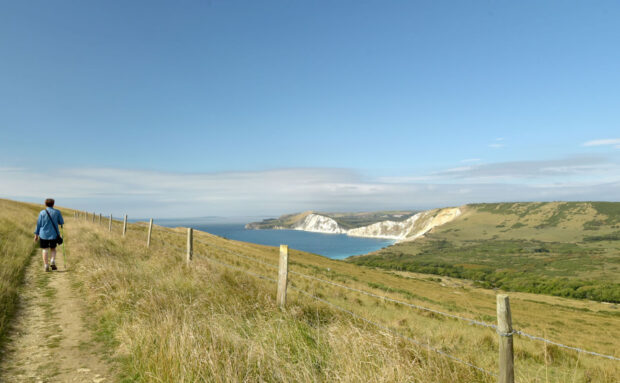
190,244
504,330
282,276
100,218
125,225
110,224
148,238
94,214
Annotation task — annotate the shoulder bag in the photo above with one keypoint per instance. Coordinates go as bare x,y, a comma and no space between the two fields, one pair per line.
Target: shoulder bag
58,237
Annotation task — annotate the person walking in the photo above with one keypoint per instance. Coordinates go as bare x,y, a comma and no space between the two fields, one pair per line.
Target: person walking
47,233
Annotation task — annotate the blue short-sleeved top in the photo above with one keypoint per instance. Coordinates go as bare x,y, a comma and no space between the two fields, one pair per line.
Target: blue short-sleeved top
44,229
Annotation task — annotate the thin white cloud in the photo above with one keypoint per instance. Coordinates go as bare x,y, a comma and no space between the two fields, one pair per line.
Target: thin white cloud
459,169
167,194
470,160
533,169
497,144
615,142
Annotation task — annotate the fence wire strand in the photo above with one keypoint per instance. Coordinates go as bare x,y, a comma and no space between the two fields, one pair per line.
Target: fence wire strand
351,313
534,337
210,259
394,332
469,320
239,255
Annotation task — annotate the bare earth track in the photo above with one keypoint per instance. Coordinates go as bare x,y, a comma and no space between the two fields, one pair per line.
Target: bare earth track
49,341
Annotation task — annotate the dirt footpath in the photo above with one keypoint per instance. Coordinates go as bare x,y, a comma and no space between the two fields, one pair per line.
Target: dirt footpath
49,341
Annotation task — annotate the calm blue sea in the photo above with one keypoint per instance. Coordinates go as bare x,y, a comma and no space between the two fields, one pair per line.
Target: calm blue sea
335,246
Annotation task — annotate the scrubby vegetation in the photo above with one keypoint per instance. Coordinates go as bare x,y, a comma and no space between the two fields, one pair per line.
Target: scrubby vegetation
530,247
528,266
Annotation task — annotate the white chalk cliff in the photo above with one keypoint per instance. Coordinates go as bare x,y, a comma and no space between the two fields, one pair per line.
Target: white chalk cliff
407,230
319,224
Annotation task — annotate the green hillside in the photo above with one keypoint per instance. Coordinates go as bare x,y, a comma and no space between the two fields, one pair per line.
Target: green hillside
215,319
569,249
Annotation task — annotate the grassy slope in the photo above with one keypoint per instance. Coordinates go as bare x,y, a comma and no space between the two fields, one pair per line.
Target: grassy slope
563,248
163,321
16,248
345,220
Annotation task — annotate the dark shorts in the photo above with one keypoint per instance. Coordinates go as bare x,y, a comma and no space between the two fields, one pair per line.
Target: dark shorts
47,243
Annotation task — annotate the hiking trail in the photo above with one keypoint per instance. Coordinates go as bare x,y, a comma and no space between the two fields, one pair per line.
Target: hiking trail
49,340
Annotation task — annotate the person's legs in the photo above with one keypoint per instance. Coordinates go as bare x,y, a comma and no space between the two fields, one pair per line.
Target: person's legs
45,251
53,260
53,253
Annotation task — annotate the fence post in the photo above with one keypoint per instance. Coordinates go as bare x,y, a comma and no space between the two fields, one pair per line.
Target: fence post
125,225
190,244
282,276
110,224
94,214
148,238
504,330
100,218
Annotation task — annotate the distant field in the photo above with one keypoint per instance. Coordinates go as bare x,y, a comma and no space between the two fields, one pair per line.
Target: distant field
569,249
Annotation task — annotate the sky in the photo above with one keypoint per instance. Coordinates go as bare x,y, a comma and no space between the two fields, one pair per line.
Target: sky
255,109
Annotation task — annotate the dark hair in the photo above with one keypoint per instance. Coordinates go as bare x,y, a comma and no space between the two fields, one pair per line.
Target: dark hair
49,202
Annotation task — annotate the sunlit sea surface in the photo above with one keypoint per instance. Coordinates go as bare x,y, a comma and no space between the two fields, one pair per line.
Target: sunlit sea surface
335,246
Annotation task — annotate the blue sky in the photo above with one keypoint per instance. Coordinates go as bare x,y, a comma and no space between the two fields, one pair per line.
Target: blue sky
262,108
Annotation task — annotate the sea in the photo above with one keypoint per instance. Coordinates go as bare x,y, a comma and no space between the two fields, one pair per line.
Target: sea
334,246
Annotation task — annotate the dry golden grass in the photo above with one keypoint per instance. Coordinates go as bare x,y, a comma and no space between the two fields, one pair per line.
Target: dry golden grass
165,322
16,247
168,322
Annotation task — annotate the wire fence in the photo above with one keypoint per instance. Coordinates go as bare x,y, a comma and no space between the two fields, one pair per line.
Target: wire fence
357,316
389,299
378,296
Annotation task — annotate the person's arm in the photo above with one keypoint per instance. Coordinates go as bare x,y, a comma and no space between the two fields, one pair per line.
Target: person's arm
36,231
61,221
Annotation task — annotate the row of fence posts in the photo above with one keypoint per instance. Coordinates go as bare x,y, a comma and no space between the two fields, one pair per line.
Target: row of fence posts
504,316
84,215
